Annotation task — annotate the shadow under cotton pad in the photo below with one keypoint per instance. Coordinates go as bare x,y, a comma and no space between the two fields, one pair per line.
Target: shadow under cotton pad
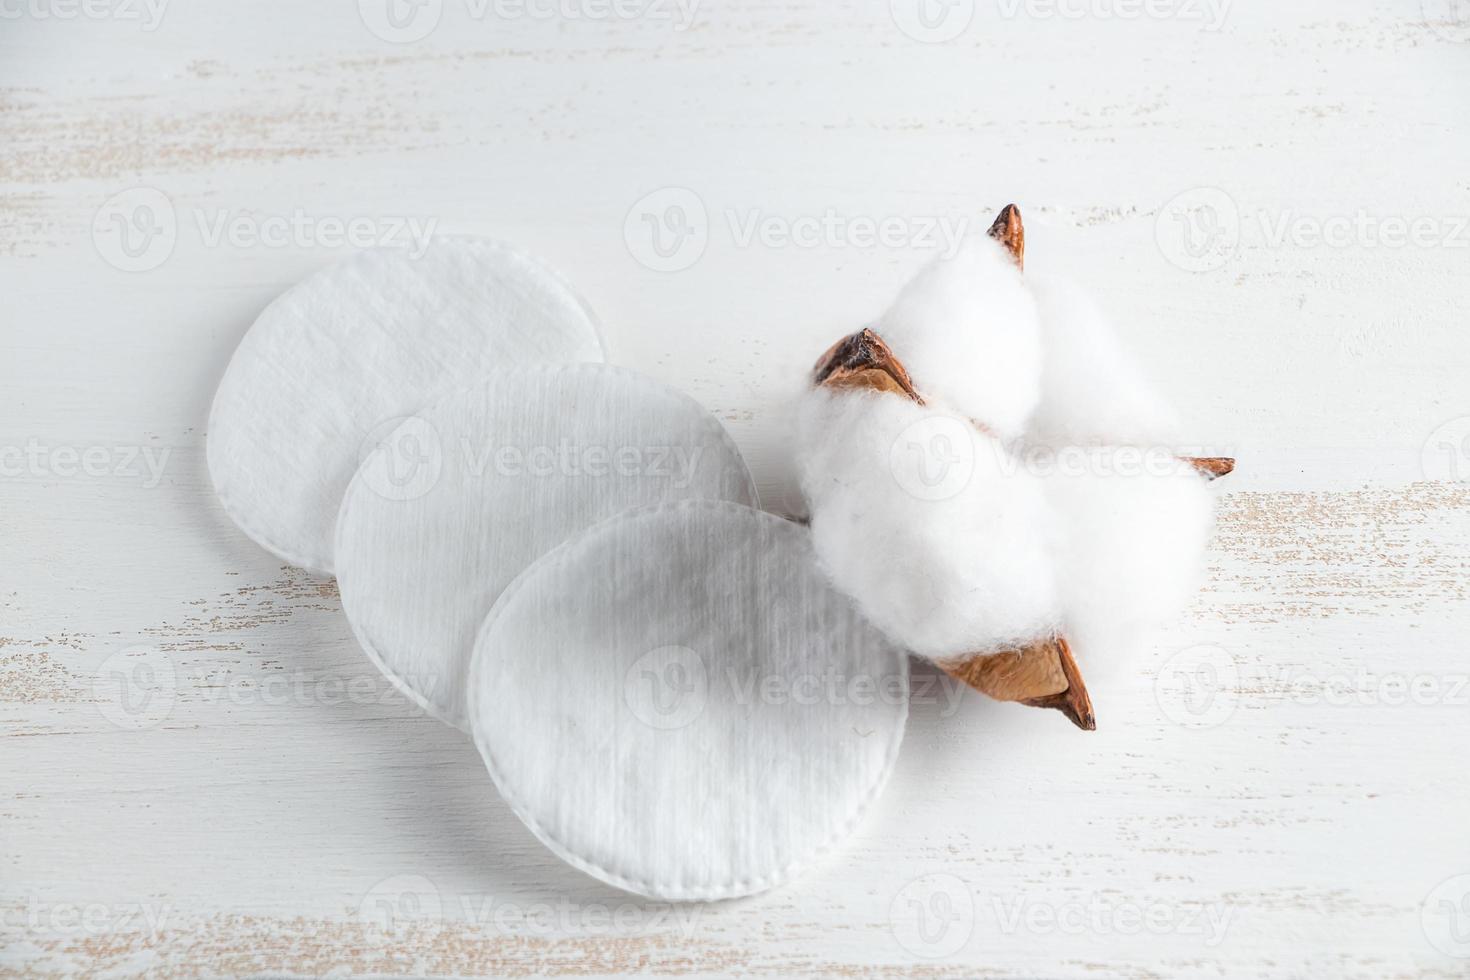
458,500
677,703
335,361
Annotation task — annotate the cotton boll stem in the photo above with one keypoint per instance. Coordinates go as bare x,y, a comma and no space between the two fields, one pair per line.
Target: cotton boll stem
863,360
1008,230
1212,467
1043,675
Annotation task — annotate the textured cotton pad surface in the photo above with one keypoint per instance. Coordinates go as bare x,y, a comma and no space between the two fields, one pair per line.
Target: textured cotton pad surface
462,497
336,359
677,703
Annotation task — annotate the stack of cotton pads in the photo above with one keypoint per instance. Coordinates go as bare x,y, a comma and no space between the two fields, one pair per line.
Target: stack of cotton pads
563,559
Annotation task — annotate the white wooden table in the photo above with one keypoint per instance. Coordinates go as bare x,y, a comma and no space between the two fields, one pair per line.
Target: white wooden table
201,775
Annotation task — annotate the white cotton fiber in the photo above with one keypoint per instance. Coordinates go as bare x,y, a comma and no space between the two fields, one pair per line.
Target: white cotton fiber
1078,519
678,704
941,537
460,498
1130,543
1092,390
1133,519
966,329
337,359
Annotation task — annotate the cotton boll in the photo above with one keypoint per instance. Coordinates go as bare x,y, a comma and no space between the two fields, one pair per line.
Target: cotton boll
966,329
940,536
1131,544
1092,391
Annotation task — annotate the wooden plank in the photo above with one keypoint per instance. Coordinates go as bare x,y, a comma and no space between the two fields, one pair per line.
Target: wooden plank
1277,787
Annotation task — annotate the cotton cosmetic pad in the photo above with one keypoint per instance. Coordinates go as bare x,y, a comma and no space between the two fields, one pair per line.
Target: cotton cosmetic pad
460,498
333,362
677,703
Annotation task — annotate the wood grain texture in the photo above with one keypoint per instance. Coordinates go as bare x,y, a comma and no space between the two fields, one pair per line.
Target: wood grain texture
200,774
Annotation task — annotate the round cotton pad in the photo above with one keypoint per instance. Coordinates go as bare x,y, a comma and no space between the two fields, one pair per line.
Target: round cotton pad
462,497
339,357
677,703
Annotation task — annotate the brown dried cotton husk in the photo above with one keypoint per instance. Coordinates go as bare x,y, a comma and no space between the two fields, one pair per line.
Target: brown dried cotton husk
1043,674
